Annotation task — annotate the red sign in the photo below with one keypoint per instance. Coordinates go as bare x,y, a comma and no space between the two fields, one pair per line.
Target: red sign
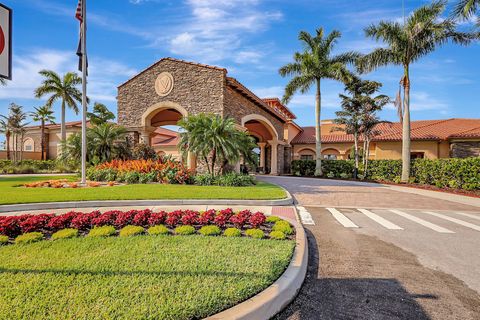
5,42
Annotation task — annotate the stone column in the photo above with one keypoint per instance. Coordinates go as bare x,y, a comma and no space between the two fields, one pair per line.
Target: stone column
262,155
145,137
274,161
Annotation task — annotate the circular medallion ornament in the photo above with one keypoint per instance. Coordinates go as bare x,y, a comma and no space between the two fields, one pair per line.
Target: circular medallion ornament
164,84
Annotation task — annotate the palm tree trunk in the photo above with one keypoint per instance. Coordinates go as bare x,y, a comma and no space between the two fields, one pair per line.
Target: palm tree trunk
367,154
42,141
364,153
7,136
63,130
355,135
318,132
21,146
406,129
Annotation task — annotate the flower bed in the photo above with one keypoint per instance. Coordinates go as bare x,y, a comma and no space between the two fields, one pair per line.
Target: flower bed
211,222
64,183
141,171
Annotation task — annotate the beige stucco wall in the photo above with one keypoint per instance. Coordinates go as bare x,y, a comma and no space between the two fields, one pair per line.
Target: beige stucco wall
393,150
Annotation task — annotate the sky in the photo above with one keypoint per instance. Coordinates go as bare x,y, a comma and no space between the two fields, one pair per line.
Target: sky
251,38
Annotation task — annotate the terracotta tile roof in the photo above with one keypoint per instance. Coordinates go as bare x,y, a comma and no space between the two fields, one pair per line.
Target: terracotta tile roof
275,102
420,130
69,124
176,60
165,137
166,132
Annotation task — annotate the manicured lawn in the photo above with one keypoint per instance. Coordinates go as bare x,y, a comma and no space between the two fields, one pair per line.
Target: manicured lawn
143,277
11,194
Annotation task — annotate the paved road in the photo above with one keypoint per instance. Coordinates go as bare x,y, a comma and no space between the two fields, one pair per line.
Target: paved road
411,257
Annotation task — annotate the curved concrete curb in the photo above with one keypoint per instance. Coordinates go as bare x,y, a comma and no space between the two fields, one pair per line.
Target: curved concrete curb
276,297
152,203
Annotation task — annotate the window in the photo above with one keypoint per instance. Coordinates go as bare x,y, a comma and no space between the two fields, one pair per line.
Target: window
306,157
330,156
28,148
417,155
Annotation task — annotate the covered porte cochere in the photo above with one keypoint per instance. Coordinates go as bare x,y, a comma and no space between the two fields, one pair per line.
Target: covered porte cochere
171,89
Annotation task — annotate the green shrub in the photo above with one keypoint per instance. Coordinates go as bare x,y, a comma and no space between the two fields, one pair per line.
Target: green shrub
273,219
210,230
185,230
205,179
3,240
129,231
29,238
277,235
132,177
283,226
158,230
333,167
255,233
231,179
232,232
104,231
65,234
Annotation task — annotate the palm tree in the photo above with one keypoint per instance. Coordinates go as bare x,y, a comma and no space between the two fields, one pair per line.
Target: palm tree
406,43
214,140
105,139
100,114
64,89
15,127
465,9
6,130
312,65
45,115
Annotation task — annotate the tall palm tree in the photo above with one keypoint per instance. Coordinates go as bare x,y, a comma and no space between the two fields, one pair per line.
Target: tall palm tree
422,33
6,130
215,140
64,89
465,9
309,67
45,115
15,125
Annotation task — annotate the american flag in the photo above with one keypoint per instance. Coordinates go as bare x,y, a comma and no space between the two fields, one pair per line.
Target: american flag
79,14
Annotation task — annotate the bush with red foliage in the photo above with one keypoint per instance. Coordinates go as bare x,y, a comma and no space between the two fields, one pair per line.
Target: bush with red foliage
173,218
142,217
84,221
257,219
228,213
62,221
35,223
241,218
157,218
124,218
189,217
106,219
207,217
220,220
10,226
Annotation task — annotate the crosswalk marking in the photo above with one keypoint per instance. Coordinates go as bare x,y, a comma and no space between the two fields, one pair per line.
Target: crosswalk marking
387,224
454,220
305,216
473,216
347,223
421,221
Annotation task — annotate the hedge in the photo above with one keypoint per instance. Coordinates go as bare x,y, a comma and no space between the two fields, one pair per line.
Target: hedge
34,166
442,173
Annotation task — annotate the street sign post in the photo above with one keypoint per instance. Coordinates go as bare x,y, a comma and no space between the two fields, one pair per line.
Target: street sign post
5,42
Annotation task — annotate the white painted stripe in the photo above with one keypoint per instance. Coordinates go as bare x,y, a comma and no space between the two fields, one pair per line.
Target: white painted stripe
375,217
344,221
424,223
473,216
454,220
305,216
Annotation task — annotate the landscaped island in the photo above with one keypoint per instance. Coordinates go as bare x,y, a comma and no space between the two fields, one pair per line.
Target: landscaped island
13,191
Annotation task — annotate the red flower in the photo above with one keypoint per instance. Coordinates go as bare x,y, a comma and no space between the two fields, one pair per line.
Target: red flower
106,218
62,221
257,219
207,217
228,213
221,220
173,218
142,217
84,221
189,217
35,223
157,218
9,226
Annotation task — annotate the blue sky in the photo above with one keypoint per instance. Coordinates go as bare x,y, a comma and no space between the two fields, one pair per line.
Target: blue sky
251,38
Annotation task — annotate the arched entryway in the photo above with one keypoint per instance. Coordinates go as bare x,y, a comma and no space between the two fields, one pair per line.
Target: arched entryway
267,140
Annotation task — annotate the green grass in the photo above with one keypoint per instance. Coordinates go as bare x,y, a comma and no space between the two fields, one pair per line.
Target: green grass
143,277
12,194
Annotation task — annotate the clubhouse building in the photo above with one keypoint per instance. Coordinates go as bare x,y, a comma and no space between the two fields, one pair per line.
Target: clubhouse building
171,89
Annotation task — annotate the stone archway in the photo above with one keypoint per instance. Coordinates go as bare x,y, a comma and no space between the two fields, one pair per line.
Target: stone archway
267,139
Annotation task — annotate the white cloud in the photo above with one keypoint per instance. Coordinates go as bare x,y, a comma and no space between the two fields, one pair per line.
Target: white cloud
103,79
423,101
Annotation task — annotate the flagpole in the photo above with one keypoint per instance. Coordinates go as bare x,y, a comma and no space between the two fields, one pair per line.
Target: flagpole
84,93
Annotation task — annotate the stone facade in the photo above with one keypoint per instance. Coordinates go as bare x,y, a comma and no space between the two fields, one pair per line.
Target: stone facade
465,149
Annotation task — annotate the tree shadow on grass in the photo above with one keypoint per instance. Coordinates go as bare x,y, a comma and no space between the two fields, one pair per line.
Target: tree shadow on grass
351,298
